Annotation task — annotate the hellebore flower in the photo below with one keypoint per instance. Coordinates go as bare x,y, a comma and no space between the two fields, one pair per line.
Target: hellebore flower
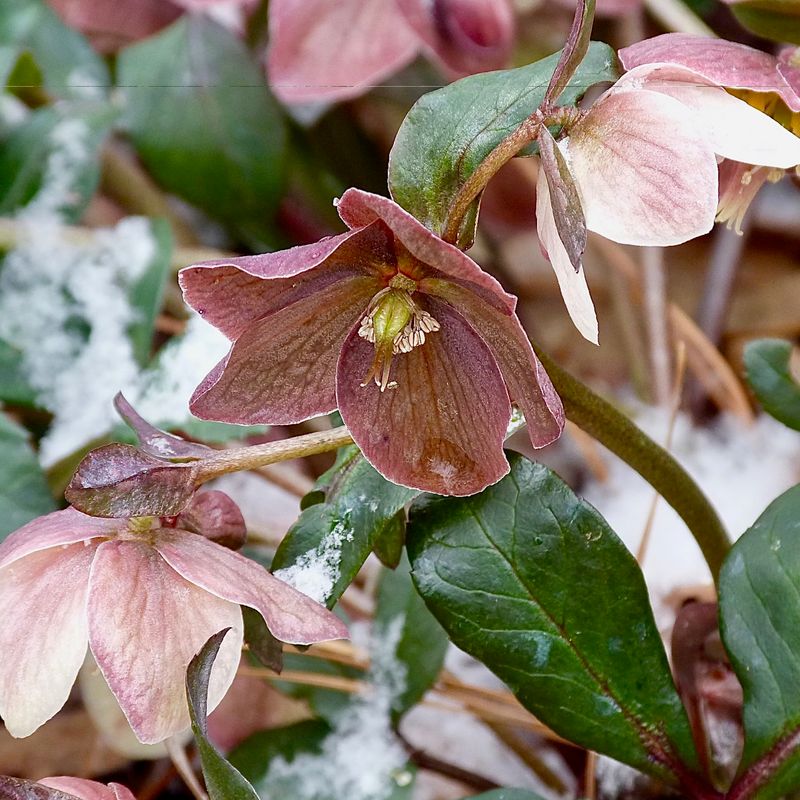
417,346
145,598
758,132
88,790
324,51
640,167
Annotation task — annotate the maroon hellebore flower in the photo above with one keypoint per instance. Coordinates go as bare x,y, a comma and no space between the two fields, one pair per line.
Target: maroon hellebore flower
416,345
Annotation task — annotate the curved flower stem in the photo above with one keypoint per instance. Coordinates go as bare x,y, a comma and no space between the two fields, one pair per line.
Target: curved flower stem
260,455
614,430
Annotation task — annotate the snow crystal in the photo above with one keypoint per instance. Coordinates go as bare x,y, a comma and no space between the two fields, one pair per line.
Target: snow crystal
316,571
361,758
740,469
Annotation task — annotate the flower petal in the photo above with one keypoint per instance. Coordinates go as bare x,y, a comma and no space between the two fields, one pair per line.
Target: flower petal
43,633
441,429
735,129
323,50
146,622
645,173
289,614
526,380
88,790
730,64
230,294
571,282
54,530
282,369
358,208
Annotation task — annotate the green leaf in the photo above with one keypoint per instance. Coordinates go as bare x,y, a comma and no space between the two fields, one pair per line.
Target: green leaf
334,538
421,640
449,132
14,386
223,781
24,493
266,649
530,580
54,146
203,121
773,19
759,607
506,794
67,61
767,363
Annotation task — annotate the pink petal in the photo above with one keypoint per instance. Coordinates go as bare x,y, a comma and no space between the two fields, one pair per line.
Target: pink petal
571,282
334,50
527,382
467,35
735,129
54,530
646,174
441,429
88,790
43,633
146,622
231,294
728,64
214,515
282,368
358,208
289,614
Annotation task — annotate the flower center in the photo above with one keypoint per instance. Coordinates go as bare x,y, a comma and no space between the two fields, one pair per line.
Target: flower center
394,323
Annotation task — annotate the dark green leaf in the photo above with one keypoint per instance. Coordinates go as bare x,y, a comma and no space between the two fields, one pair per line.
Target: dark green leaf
389,546
360,508
67,61
421,641
223,781
17,789
773,19
24,493
449,132
9,55
767,362
201,117
507,794
14,385
52,145
530,580
759,609
263,645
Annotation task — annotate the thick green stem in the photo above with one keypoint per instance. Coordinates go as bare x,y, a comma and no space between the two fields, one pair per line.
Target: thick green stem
614,430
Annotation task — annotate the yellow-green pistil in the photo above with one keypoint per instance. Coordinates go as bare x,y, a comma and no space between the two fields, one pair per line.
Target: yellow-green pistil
394,324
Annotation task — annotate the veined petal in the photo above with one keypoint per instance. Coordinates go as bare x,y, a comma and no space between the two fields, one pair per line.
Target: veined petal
55,530
146,622
43,633
358,208
646,174
571,282
88,790
441,428
289,614
282,369
730,64
735,129
526,380
232,293
322,50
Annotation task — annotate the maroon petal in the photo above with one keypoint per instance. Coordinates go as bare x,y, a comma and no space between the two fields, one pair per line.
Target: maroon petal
358,208
232,293
441,429
283,368
526,380
335,49
214,515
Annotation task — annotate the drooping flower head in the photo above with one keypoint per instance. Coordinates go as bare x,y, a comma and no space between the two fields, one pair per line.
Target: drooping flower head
418,348
145,595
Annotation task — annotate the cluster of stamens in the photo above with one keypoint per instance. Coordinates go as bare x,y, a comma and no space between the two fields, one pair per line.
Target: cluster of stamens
413,335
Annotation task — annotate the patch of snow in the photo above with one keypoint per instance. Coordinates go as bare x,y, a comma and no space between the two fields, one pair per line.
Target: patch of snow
740,469
315,572
615,779
361,758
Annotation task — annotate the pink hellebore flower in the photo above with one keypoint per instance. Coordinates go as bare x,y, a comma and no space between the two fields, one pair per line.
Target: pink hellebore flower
643,160
417,346
146,599
326,50
766,85
88,790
